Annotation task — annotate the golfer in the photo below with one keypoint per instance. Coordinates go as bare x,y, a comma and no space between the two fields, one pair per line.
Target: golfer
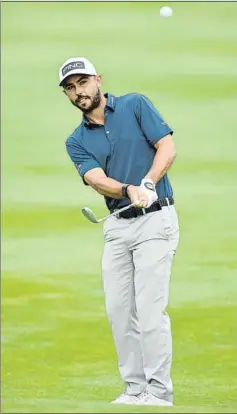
123,149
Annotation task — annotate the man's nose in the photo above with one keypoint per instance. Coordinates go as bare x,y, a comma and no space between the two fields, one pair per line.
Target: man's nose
78,90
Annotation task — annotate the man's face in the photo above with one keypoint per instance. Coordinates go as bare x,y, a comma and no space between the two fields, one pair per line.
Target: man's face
83,91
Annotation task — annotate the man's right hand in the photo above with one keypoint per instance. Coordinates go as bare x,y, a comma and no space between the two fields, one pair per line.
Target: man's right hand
138,195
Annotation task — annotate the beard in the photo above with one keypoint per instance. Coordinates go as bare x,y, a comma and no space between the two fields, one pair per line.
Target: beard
94,102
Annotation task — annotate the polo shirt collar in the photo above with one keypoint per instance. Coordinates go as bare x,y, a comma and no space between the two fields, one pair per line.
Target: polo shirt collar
111,102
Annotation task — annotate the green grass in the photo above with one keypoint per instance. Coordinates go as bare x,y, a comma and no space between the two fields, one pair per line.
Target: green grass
57,349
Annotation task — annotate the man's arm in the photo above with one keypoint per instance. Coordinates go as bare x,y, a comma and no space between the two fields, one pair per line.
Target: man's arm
165,156
158,134
109,187
91,172
93,175
104,185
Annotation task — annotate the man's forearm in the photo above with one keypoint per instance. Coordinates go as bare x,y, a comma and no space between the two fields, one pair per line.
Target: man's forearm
162,162
108,187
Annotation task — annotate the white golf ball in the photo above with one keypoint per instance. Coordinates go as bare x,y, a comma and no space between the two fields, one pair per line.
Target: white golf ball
166,11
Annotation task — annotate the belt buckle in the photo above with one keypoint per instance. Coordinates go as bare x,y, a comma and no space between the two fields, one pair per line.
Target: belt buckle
143,211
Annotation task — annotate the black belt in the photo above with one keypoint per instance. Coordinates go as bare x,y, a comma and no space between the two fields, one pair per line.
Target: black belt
136,211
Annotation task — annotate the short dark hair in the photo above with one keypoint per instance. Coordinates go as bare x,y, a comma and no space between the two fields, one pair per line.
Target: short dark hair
64,82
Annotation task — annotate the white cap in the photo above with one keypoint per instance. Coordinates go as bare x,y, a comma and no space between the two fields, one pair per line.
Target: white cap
76,66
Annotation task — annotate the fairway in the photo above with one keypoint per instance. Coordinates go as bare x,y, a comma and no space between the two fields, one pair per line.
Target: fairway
58,354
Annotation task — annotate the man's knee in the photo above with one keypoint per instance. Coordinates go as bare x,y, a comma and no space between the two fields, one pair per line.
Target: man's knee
115,309
153,317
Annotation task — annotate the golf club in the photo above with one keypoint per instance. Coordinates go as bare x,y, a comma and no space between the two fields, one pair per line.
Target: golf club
88,213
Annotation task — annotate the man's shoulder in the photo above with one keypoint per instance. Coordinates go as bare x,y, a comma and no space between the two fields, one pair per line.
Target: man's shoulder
130,101
130,97
75,136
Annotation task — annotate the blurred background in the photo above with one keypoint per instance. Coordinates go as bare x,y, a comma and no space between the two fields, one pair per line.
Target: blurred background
57,349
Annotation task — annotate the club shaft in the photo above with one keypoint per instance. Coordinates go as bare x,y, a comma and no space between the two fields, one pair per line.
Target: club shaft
118,211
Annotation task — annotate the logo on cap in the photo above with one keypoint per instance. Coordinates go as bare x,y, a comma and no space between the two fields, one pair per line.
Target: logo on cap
73,66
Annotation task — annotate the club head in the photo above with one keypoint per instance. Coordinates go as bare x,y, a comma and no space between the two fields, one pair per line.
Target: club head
89,215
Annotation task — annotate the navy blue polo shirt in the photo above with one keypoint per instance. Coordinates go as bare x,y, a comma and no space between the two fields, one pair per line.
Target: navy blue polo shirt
124,146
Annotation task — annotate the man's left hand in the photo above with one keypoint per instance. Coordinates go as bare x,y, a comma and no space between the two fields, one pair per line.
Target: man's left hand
150,188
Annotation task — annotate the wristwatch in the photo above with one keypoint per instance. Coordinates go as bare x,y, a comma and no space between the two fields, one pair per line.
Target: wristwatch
125,190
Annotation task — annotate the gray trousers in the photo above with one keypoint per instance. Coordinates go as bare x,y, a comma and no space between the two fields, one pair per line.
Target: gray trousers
136,267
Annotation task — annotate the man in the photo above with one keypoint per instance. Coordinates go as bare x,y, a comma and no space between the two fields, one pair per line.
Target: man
123,149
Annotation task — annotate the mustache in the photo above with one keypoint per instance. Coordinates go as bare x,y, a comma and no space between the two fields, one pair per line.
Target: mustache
80,98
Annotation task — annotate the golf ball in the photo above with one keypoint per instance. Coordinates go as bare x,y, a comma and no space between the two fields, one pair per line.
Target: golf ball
166,11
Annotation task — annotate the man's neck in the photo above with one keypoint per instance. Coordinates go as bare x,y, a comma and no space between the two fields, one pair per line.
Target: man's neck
97,116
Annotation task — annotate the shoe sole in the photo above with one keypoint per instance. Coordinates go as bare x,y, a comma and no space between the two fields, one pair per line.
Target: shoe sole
124,403
158,404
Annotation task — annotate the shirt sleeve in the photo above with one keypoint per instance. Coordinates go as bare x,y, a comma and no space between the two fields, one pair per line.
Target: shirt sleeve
150,120
82,160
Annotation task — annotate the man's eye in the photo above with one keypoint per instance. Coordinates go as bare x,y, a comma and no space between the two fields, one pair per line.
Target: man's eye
82,82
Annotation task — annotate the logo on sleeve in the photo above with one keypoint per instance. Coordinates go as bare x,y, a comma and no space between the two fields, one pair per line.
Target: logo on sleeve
78,166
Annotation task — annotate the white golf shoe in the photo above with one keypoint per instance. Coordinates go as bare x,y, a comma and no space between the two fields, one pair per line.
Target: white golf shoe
149,399
125,398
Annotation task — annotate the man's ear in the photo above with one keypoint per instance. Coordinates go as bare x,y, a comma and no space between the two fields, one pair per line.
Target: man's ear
99,80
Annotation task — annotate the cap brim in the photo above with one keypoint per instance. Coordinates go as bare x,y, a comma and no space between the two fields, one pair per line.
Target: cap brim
76,72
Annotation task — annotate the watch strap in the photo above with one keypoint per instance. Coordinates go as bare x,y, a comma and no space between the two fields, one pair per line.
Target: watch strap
125,190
